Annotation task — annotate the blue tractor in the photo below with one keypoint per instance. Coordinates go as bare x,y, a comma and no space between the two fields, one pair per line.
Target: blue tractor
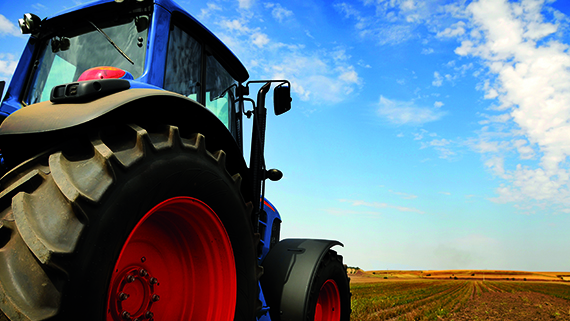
113,207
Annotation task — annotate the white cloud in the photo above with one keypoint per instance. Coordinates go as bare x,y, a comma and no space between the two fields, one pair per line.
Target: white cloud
439,142
403,195
339,54
422,133
535,184
497,165
314,77
529,79
235,25
483,145
438,104
349,75
407,113
455,30
8,63
259,39
8,28
387,22
278,12
501,118
317,76
245,4
211,7
38,6
525,151
437,79
441,146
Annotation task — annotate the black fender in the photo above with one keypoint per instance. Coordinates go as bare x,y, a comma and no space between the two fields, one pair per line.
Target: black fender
289,270
36,128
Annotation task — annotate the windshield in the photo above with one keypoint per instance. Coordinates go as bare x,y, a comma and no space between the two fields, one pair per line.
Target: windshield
67,55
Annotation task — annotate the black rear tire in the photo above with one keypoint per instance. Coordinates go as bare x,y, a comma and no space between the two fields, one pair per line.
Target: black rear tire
67,214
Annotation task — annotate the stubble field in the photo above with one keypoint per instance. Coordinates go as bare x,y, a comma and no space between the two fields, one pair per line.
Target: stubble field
399,295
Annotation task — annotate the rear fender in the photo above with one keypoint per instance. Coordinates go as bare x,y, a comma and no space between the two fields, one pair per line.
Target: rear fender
289,271
37,127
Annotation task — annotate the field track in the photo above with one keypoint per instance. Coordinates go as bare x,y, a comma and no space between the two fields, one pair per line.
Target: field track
460,300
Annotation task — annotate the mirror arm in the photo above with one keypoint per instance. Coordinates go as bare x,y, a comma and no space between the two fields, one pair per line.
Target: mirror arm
283,81
257,159
249,112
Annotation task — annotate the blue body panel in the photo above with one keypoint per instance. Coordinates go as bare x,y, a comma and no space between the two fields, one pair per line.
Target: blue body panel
158,46
265,228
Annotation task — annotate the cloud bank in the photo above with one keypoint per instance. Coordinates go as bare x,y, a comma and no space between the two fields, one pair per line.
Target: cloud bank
529,77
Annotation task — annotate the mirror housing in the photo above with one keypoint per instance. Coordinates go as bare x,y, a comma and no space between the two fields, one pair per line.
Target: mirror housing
282,99
30,23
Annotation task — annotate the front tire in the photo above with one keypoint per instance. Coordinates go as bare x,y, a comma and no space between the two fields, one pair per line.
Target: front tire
126,224
330,292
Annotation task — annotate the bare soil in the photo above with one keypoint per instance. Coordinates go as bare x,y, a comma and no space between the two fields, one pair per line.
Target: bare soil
519,306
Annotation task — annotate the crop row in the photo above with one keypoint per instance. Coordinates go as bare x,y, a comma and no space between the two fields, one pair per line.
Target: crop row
409,300
559,290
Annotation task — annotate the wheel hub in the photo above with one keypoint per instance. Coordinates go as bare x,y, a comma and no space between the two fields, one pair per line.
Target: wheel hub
134,294
182,244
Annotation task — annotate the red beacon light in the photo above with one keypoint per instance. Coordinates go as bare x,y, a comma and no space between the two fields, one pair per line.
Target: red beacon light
105,72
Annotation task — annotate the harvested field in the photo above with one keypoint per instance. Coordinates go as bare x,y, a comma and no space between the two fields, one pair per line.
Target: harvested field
457,299
518,306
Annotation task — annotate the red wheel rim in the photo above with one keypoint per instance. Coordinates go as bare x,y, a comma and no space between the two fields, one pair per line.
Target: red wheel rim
177,264
328,303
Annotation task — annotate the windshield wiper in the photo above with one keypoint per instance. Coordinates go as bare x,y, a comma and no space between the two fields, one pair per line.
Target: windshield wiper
112,43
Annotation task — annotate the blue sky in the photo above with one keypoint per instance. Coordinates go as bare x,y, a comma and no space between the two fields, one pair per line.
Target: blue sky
424,134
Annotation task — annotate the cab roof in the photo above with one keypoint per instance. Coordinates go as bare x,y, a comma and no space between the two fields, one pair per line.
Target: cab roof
222,53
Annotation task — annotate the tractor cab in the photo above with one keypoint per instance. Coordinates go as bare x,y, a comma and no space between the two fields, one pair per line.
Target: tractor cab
84,54
152,45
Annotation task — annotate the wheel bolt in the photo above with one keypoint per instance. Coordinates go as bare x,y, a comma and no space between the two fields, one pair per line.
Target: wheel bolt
153,281
143,272
149,315
126,315
123,296
130,279
155,298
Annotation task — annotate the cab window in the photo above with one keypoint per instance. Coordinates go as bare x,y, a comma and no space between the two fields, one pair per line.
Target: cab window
220,90
183,64
195,73
68,53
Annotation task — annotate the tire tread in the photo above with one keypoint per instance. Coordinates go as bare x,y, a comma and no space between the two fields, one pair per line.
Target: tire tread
62,188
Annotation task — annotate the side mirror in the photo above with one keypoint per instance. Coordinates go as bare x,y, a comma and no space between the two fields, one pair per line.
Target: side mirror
141,23
2,84
282,99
